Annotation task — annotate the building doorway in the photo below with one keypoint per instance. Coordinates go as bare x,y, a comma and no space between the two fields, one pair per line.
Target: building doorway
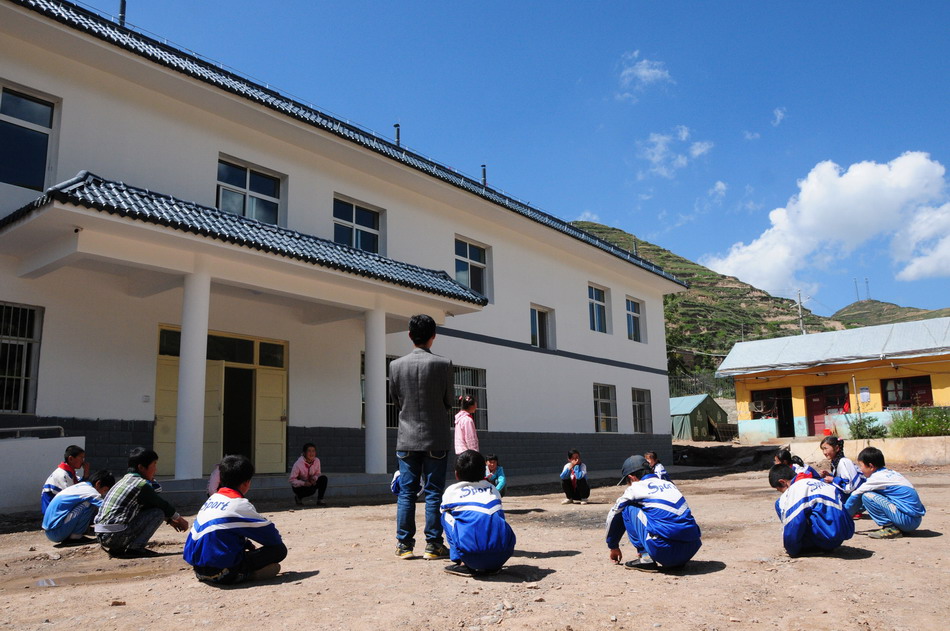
238,430
775,403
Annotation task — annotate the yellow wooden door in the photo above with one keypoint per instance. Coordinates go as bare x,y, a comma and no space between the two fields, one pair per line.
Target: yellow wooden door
166,414
213,446
270,421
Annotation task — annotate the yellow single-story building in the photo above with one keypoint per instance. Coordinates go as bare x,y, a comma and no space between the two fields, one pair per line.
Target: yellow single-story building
817,384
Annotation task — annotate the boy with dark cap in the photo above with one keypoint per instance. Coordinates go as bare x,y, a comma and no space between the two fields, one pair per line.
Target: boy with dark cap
656,518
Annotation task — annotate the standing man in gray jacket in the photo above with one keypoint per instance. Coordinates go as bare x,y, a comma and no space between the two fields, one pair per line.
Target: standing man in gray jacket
422,386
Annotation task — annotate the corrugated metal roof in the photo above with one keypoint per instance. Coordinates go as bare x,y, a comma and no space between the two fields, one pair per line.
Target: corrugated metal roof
903,339
173,58
91,191
685,405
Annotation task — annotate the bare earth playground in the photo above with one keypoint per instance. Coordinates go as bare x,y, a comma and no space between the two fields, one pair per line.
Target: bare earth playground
341,573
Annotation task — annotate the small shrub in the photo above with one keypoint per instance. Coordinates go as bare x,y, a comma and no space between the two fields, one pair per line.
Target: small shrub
861,427
921,422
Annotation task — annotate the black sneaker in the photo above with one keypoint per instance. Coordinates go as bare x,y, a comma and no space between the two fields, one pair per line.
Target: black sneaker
435,551
298,500
458,569
403,551
644,564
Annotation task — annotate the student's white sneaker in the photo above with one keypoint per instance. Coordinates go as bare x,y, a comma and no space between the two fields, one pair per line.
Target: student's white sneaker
583,502
567,501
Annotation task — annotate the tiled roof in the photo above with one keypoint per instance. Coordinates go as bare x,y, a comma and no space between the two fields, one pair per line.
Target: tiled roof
91,191
170,57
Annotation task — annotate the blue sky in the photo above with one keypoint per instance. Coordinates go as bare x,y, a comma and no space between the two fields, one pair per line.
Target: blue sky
796,145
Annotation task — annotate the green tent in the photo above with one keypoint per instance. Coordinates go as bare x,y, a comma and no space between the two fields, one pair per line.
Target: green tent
697,417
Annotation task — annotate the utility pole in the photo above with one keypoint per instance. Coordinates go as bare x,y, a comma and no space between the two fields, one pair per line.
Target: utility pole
801,319
867,288
857,295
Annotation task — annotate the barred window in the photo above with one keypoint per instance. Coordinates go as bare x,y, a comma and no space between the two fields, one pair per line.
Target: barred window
605,408
642,412
20,329
472,381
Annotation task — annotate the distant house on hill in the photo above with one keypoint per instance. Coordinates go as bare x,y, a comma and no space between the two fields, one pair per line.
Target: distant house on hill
697,417
811,385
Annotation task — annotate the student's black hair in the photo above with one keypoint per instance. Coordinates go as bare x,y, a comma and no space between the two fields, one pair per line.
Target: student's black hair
72,451
466,401
235,470
785,457
872,456
421,329
103,476
492,457
141,456
571,453
780,472
652,454
306,446
470,466
838,444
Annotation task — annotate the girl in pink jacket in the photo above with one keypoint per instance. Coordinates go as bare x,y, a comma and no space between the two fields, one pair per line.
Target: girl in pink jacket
465,436
305,477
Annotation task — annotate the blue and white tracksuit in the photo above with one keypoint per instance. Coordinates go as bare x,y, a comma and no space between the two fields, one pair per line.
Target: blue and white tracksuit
221,529
71,511
660,471
475,527
60,479
846,476
657,521
890,499
807,470
813,516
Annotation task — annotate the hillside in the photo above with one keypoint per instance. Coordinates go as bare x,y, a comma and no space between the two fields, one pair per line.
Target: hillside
717,311
868,312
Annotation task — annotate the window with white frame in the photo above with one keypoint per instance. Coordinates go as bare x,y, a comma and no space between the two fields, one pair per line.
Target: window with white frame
634,320
542,327
248,192
605,408
356,225
597,308
26,126
472,381
471,265
20,329
642,412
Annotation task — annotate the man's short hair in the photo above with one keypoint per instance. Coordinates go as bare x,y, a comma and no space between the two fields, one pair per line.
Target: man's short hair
490,457
102,476
235,471
421,329
780,472
470,466
72,451
141,456
872,456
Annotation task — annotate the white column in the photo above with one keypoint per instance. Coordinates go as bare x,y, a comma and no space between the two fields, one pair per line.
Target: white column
375,390
189,430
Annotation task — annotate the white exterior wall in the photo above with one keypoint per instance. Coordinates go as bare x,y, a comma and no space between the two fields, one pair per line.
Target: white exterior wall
117,128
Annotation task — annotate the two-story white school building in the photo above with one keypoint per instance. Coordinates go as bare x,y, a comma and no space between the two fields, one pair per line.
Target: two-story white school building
194,262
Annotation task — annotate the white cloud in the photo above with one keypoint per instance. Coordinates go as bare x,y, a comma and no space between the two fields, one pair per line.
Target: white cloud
751,135
637,74
924,244
778,115
668,153
837,211
718,191
699,148
588,216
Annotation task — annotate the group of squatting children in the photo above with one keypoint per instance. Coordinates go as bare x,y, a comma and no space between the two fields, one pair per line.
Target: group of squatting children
818,509
230,542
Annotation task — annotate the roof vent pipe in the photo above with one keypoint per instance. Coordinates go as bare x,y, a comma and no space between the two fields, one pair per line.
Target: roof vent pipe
122,13
397,134
484,175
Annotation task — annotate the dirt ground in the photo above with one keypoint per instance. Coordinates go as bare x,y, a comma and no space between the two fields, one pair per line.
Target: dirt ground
341,573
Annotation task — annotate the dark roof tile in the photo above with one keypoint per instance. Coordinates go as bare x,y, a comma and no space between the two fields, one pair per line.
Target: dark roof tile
91,191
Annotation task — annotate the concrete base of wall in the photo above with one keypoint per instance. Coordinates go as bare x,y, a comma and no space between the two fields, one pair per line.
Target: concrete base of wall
929,450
